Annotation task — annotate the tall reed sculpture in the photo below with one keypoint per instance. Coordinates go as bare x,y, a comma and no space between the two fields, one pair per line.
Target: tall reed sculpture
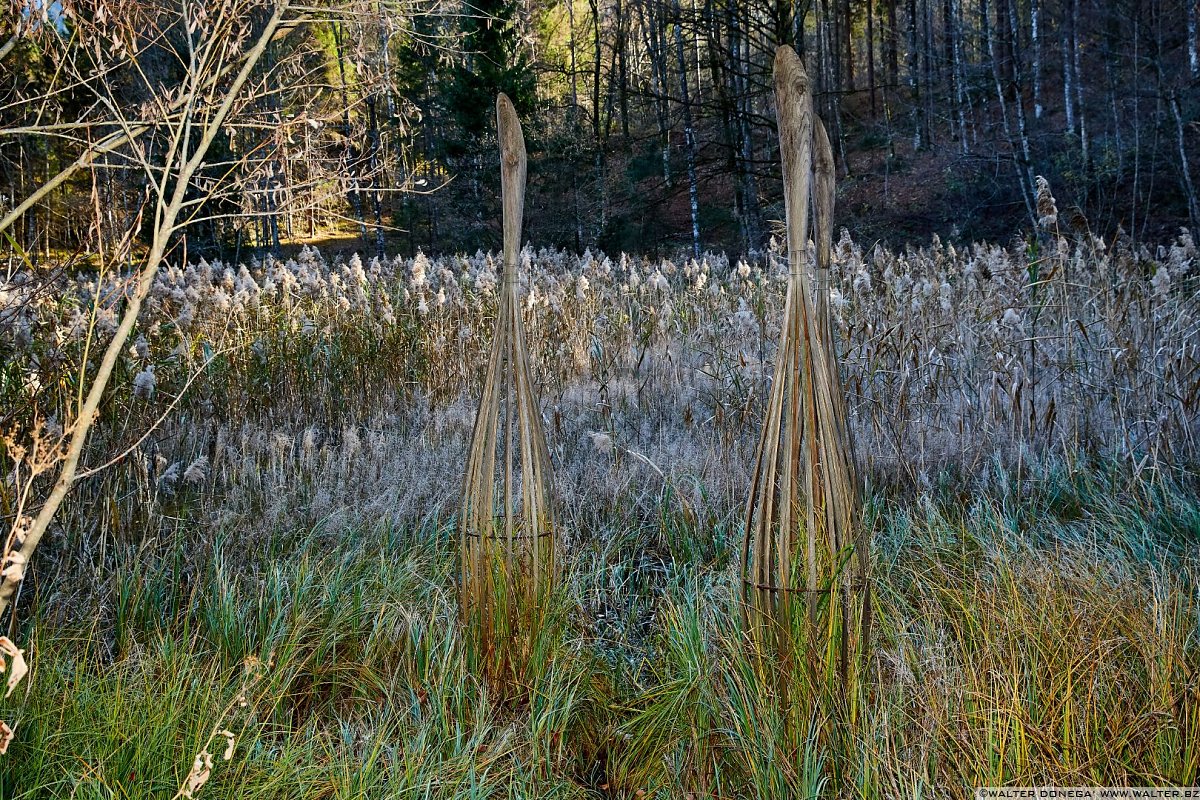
805,556
507,525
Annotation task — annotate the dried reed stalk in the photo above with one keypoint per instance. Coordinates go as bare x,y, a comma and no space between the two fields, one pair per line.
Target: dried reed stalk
803,517
507,525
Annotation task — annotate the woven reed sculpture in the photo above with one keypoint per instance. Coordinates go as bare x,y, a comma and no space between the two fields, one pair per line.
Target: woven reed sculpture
507,525
805,556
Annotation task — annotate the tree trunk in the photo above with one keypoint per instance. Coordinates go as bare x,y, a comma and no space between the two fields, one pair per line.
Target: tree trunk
914,84
1068,90
1026,157
893,49
723,77
985,33
597,116
689,133
1193,64
927,108
656,50
578,226
848,43
1078,82
1036,45
958,74
351,159
871,54
1185,170
1003,101
622,67
739,49
373,163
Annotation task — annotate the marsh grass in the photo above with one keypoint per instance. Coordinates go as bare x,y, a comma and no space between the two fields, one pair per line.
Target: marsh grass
1051,641
298,372
1034,528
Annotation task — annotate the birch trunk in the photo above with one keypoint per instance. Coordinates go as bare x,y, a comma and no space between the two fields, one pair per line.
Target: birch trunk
689,133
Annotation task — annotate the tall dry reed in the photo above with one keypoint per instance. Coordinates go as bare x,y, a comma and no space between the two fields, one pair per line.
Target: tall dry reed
803,521
507,524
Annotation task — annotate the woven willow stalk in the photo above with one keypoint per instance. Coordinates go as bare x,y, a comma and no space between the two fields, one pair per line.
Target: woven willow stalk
805,553
507,524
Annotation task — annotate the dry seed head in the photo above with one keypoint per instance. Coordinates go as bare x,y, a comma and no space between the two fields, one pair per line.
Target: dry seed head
144,382
1047,209
199,775
601,441
14,567
197,471
1161,281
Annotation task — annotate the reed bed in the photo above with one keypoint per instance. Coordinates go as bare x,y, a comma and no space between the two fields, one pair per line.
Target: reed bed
316,390
1024,417
952,355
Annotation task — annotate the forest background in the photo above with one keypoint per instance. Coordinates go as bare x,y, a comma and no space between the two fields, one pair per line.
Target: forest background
650,123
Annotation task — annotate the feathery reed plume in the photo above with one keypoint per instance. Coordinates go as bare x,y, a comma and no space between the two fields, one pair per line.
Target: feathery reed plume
507,525
803,516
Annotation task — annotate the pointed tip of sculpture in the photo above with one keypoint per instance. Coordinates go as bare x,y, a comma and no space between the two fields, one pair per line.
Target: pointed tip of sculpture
789,69
786,60
508,126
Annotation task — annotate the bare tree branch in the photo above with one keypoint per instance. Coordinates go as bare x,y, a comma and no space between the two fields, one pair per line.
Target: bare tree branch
166,215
